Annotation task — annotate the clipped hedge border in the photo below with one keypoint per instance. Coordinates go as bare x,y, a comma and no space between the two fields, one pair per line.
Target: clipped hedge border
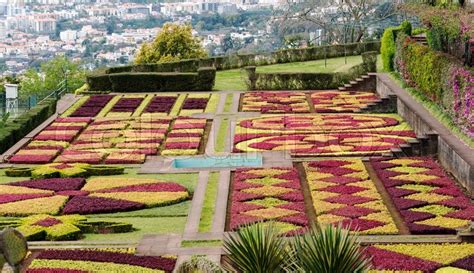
310,81
15,129
239,61
104,170
131,82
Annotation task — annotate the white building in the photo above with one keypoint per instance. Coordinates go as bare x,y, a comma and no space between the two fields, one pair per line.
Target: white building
68,35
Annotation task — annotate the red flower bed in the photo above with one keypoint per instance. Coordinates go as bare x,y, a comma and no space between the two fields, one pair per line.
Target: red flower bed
195,103
339,101
88,205
428,199
53,184
92,106
126,105
31,159
330,134
446,257
112,140
342,192
97,195
160,104
106,257
268,195
275,102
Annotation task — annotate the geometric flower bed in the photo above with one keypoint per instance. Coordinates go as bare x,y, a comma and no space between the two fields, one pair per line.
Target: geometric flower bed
268,195
194,104
51,141
76,196
341,101
68,227
114,140
428,200
185,137
275,102
160,105
322,134
125,106
98,260
342,192
145,105
422,257
92,106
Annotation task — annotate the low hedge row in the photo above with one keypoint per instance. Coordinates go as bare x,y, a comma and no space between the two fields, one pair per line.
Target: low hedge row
306,81
130,82
16,129
239,61
440,77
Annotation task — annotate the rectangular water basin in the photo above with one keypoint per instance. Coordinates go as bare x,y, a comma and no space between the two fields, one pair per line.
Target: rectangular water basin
229,161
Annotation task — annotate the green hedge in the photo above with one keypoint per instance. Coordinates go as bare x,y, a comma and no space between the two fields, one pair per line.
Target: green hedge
132,82
388,46
440,77
305,81
16,129
239,61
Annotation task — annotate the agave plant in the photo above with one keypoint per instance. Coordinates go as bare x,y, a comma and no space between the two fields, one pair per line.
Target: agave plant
199,264
257,248
328,249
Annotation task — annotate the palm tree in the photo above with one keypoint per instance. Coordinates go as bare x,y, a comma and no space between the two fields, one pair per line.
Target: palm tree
328,249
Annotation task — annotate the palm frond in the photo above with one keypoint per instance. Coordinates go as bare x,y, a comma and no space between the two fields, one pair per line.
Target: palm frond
257,248
329,249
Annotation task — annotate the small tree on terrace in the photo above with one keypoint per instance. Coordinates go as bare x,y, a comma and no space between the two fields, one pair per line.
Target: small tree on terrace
174,42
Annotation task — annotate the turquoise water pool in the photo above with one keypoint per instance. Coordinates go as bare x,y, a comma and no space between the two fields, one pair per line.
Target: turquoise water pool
238,160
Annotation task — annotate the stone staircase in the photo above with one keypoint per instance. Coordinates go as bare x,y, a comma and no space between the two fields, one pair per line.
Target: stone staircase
420,39
364,83
422,145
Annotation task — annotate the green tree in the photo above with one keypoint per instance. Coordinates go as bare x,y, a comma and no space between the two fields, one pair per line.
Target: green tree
174,42
50,75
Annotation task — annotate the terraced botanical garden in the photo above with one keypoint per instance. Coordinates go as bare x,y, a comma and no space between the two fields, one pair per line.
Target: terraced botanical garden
128,182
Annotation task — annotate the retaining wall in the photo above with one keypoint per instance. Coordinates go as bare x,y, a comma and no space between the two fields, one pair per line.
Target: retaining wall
453,154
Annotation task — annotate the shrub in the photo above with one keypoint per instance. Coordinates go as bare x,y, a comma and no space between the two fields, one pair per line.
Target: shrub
104,170
388,47
17,128
18,172
439,77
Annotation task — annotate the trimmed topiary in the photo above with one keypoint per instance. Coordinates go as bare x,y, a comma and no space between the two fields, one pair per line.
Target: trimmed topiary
18,172
104,170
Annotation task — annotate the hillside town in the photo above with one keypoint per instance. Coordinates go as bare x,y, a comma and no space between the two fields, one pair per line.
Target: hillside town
108,32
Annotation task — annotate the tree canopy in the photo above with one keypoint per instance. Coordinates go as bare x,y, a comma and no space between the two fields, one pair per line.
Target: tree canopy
45,80
173,43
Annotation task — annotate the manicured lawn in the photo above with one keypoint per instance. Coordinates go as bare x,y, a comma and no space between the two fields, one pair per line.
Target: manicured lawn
221,136
144,225
186,179
201,243
235,79
228,103
208,208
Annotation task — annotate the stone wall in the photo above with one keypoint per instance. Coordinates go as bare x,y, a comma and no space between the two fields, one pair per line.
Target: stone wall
455,156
